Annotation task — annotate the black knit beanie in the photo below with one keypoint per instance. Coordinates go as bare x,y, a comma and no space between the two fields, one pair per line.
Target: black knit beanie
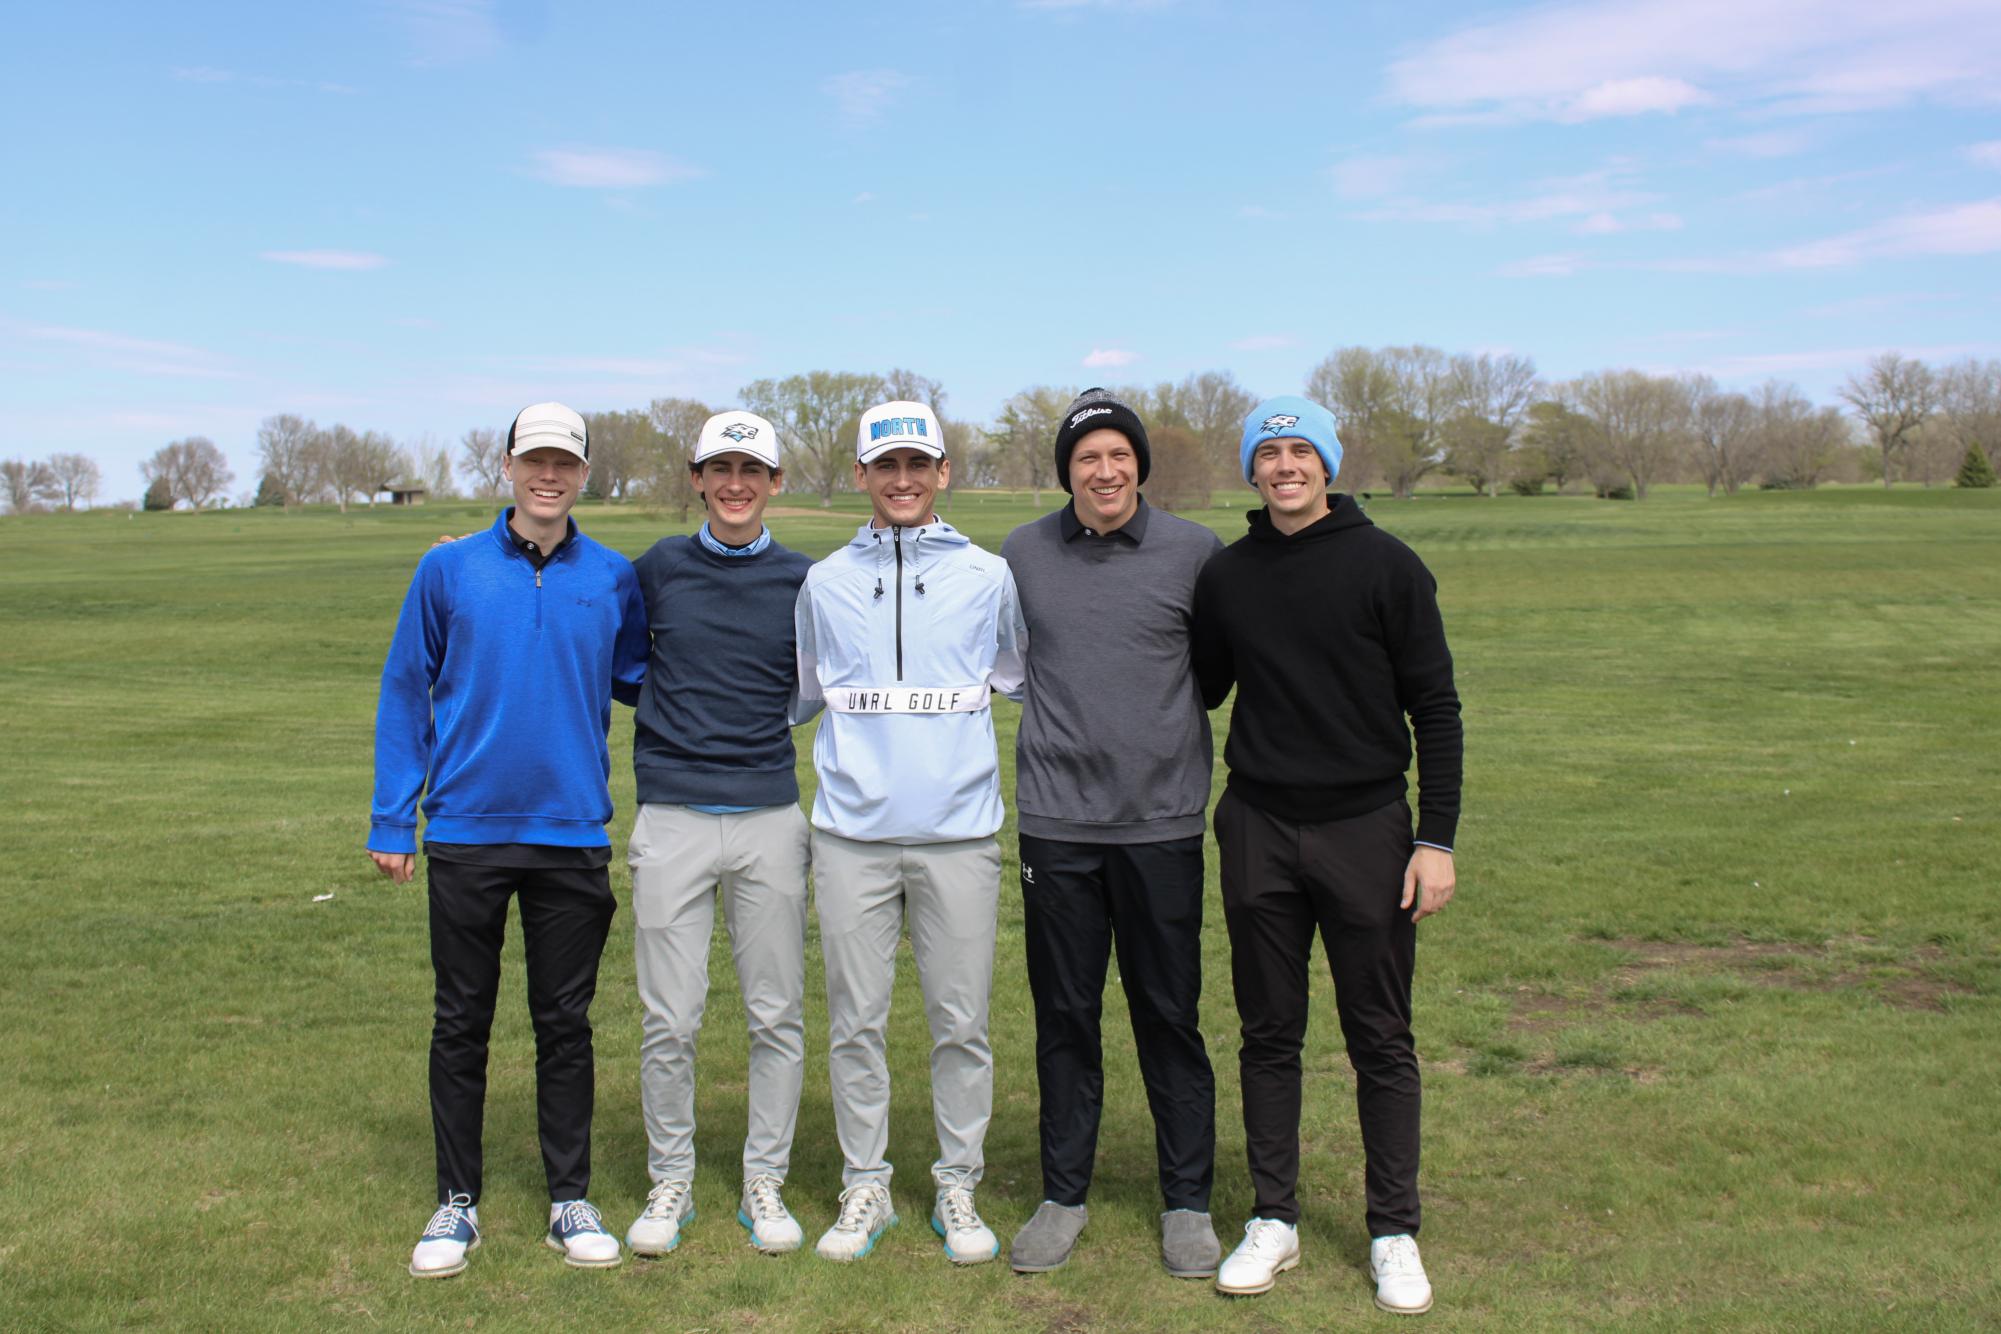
1094,409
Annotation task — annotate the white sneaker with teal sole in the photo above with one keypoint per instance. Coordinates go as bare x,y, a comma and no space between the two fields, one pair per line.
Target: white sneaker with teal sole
657,1230
763,1214
448,1238
577,1230
968,1241
866,1211
1269,1248
1401,1287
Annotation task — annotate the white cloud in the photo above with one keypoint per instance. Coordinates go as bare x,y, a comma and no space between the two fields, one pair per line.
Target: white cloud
201,74
1259,213
352,261
1836,359
1984,155
122,352
1101,358
865,197
1603,223
1964,229
1598,192
862,95
1765,144
1370,175
1633,97
1264,343
1545,266
1625,57
610,168
446,32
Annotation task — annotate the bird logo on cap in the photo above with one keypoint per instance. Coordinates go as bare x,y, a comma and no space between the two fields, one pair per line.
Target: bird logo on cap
738,431
1278,422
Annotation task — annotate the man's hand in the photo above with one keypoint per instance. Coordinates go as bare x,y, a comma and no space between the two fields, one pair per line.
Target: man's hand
447,539
1428,881
398,866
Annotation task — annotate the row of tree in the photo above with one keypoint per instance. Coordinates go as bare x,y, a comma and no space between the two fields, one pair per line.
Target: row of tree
1404,414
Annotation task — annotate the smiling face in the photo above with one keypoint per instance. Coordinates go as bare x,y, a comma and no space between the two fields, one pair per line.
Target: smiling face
546,483
901,485
1104,479
735,488
1290,474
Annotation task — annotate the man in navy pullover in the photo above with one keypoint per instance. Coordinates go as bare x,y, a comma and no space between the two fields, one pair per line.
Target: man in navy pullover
496,701
719,818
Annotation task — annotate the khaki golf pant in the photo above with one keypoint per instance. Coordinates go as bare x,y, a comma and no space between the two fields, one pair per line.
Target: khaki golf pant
682,859
950,892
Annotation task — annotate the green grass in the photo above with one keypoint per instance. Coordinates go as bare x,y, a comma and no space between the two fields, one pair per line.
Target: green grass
1709,1035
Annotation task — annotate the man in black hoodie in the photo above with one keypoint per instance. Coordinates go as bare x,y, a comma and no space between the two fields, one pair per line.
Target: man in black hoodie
1329,629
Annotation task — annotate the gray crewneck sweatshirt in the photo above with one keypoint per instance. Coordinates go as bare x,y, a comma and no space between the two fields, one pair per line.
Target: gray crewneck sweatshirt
1114,745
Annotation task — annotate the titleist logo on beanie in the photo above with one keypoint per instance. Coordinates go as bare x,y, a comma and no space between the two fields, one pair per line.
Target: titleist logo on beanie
1097,409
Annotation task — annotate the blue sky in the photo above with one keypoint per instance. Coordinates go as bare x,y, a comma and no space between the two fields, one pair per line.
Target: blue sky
417,215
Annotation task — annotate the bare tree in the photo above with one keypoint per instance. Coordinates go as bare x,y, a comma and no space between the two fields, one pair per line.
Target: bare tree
1390,406
663,478
348,462
1179,477
817,415
1213,405
1642,422
1970,401
76,477
193,469
1893,397
1797,443
482,452
29,484
1023,437
286,455
621,443
1724,428
1555,439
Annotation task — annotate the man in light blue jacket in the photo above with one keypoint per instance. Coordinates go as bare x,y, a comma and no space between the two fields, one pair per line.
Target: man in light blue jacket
904,633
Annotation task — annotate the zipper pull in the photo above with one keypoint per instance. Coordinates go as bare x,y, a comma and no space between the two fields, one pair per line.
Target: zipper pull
538,576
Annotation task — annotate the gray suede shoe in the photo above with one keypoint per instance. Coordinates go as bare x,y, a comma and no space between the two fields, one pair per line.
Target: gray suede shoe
1188,1245
1046,1240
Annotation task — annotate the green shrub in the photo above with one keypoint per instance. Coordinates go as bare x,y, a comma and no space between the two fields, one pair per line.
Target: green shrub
1975,471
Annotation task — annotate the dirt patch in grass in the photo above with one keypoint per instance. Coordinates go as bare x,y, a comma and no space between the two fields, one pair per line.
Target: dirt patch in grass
1541,1012
1906,982
1044,1309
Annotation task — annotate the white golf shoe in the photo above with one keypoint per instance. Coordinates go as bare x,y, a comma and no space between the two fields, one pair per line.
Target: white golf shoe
657,1230
1401,1286
1268,1249
866,1212
763,1214
968,1241
451,1234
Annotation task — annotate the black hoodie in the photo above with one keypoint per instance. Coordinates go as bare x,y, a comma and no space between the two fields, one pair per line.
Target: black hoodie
1332,637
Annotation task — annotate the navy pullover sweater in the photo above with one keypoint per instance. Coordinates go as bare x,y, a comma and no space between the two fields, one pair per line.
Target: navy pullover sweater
711,728
496,695
1332,638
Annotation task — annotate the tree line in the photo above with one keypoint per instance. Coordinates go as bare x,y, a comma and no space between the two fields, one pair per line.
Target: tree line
1405,414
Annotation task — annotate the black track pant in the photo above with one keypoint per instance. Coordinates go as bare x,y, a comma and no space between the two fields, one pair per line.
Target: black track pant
565,915
1343,878
1077,898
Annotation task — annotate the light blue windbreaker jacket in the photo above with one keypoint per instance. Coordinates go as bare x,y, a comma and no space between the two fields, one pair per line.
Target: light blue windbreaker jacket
918,616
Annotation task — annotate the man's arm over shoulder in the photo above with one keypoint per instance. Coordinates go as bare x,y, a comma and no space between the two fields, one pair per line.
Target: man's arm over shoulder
1209,646
404,733
1010,669
1414,633
629,652
806,698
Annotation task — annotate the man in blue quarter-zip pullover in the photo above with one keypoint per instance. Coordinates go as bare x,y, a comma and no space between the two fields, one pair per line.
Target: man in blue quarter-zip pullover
904,633
496,699
719,818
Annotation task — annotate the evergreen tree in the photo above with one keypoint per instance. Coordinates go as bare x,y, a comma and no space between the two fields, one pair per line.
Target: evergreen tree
159,496
1975,471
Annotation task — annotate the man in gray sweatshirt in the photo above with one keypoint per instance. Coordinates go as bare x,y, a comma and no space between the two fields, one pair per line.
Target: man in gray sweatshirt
1112,785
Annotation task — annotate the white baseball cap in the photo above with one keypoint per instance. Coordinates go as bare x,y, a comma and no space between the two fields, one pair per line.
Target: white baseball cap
738,432
899,425
548,426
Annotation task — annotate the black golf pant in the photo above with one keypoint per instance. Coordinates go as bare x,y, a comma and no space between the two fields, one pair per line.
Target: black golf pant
565,916
1077,900
1343,878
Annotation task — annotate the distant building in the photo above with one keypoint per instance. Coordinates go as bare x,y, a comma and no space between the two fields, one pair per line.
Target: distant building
401,493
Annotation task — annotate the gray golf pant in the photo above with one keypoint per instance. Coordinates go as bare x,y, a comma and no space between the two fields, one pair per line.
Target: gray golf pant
950,892
756,860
